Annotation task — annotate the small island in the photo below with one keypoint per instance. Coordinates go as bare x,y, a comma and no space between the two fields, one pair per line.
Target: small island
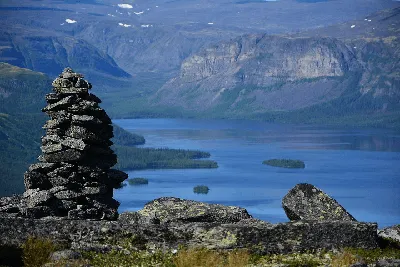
285,163
138,181
201,189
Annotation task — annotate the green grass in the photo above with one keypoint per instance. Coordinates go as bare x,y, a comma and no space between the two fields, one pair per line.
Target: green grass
37,251
285,163
133,252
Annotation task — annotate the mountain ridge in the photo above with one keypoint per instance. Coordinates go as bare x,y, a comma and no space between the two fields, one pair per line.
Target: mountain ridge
255,74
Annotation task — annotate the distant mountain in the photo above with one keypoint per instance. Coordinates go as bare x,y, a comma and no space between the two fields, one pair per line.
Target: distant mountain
49,53
274,76
101,37
137,52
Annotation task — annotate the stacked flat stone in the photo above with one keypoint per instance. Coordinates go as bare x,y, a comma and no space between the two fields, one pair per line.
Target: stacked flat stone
74,178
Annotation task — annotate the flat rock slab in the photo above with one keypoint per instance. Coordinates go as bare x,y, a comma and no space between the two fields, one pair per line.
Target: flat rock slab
307,202
170,209
258,236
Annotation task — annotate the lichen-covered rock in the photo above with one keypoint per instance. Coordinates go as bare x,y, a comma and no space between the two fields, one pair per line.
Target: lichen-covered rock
388,263
306,202
391,233
169,209
257,236
66,254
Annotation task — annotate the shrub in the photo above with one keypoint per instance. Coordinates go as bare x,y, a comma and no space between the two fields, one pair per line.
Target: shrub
37,251
138,181
201,189
344,259
206,257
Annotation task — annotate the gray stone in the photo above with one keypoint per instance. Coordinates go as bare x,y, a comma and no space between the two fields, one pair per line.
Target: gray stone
53,98
63,103
359,264
65,255
392,233
79,132
67,194
11,208
51,139
67,204
82,106
38,198
64,170
30,192
306,202
78,144
388,263
35,179
37,212
51,148
85,120
170,209
55,123
67,155
94,190
57,189
58,181
59,115
42,167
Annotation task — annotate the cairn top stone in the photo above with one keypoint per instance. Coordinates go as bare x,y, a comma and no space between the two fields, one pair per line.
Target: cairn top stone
70,82
306,202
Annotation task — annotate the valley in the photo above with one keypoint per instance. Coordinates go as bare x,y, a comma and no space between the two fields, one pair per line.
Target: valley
189,59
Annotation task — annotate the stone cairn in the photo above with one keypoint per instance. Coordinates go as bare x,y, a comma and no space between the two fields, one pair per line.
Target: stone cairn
74,178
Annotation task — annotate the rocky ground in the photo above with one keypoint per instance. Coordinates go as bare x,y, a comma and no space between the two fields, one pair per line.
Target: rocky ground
170,224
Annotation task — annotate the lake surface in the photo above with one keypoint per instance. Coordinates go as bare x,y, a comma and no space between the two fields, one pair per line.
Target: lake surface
360,168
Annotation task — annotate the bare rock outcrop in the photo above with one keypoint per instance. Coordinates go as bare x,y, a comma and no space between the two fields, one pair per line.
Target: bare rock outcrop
306,202
74,178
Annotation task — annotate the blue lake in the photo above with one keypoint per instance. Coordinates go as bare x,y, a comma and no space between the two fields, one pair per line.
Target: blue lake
360,168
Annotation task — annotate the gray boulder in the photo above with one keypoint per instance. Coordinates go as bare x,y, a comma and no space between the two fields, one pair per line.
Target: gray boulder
388,263
170,209
306,202
392,233
65,255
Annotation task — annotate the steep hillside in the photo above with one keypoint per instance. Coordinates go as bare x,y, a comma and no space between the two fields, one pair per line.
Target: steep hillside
253,75
21,93
48,53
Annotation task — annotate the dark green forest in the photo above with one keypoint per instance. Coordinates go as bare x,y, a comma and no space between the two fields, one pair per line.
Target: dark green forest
285,163
161,158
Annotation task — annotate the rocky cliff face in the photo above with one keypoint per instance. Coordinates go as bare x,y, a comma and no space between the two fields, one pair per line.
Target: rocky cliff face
256,59
264,70
256,74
